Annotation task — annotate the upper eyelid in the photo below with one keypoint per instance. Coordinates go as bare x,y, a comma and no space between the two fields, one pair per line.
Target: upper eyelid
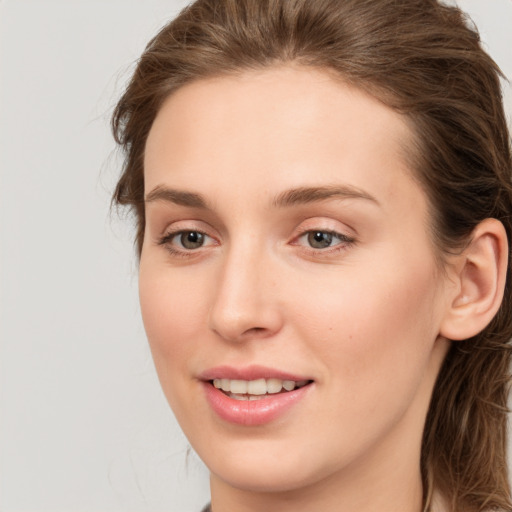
342,237
179,226
171,234
322,230
326,225
324,220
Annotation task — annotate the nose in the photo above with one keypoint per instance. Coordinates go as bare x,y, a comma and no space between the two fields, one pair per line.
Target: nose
245,305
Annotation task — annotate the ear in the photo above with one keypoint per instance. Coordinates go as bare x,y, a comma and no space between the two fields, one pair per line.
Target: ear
478,274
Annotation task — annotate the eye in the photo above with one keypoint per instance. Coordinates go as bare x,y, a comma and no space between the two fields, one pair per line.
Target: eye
191,239
186,240
323,239
319,239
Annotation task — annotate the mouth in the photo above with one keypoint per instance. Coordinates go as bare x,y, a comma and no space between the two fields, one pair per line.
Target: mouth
254,395
258,389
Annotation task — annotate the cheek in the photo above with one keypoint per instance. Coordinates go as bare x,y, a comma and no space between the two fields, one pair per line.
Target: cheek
173,310
372,338
374,326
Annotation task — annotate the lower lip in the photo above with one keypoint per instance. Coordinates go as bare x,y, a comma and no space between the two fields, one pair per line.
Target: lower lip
253,412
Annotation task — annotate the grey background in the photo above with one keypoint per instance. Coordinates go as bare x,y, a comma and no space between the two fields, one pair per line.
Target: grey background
83,423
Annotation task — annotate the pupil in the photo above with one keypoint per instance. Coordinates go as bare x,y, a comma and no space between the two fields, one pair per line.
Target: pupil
192,240
319,239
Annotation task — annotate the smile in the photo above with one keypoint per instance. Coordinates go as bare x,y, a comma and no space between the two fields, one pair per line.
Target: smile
256,389
255,395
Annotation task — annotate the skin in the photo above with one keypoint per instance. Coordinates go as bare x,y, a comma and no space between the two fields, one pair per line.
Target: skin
362,318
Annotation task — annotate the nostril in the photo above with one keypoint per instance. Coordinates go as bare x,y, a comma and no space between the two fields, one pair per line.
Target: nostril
255,331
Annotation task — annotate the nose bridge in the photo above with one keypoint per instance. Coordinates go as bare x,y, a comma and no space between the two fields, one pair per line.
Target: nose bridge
244,305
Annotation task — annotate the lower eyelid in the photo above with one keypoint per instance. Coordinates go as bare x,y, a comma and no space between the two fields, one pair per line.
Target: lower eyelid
167,239
339,236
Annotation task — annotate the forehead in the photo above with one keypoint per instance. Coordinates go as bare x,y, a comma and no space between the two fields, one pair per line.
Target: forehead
280,127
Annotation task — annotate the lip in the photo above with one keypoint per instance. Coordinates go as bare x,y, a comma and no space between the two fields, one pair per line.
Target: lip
252,372
252,412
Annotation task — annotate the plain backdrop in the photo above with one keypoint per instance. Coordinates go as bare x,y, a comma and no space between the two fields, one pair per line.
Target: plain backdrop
83,423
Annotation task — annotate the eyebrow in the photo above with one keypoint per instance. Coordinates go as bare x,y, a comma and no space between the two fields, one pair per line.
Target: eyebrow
180,197
287,198
304,195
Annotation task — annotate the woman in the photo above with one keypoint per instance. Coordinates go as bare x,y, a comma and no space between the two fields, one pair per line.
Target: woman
322,193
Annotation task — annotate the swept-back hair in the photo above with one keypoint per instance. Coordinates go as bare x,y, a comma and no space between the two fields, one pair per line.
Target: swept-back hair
424,60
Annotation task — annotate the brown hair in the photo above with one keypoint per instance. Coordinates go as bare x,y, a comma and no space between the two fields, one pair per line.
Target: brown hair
422,59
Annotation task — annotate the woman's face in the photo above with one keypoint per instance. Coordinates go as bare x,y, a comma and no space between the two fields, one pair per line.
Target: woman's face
287,241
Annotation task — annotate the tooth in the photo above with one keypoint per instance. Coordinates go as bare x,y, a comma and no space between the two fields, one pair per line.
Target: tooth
257,387
239,397
254,397
274,385
239,386
289,385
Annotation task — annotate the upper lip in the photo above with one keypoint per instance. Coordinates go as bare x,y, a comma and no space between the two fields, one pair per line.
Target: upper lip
252,372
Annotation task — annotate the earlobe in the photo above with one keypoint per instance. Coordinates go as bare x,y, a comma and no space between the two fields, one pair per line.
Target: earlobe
479,272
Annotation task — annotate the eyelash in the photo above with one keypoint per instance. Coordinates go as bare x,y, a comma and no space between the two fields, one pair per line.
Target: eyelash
344,242
180,253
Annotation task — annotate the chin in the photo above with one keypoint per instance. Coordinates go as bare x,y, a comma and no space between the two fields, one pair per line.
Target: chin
265,469
275,478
